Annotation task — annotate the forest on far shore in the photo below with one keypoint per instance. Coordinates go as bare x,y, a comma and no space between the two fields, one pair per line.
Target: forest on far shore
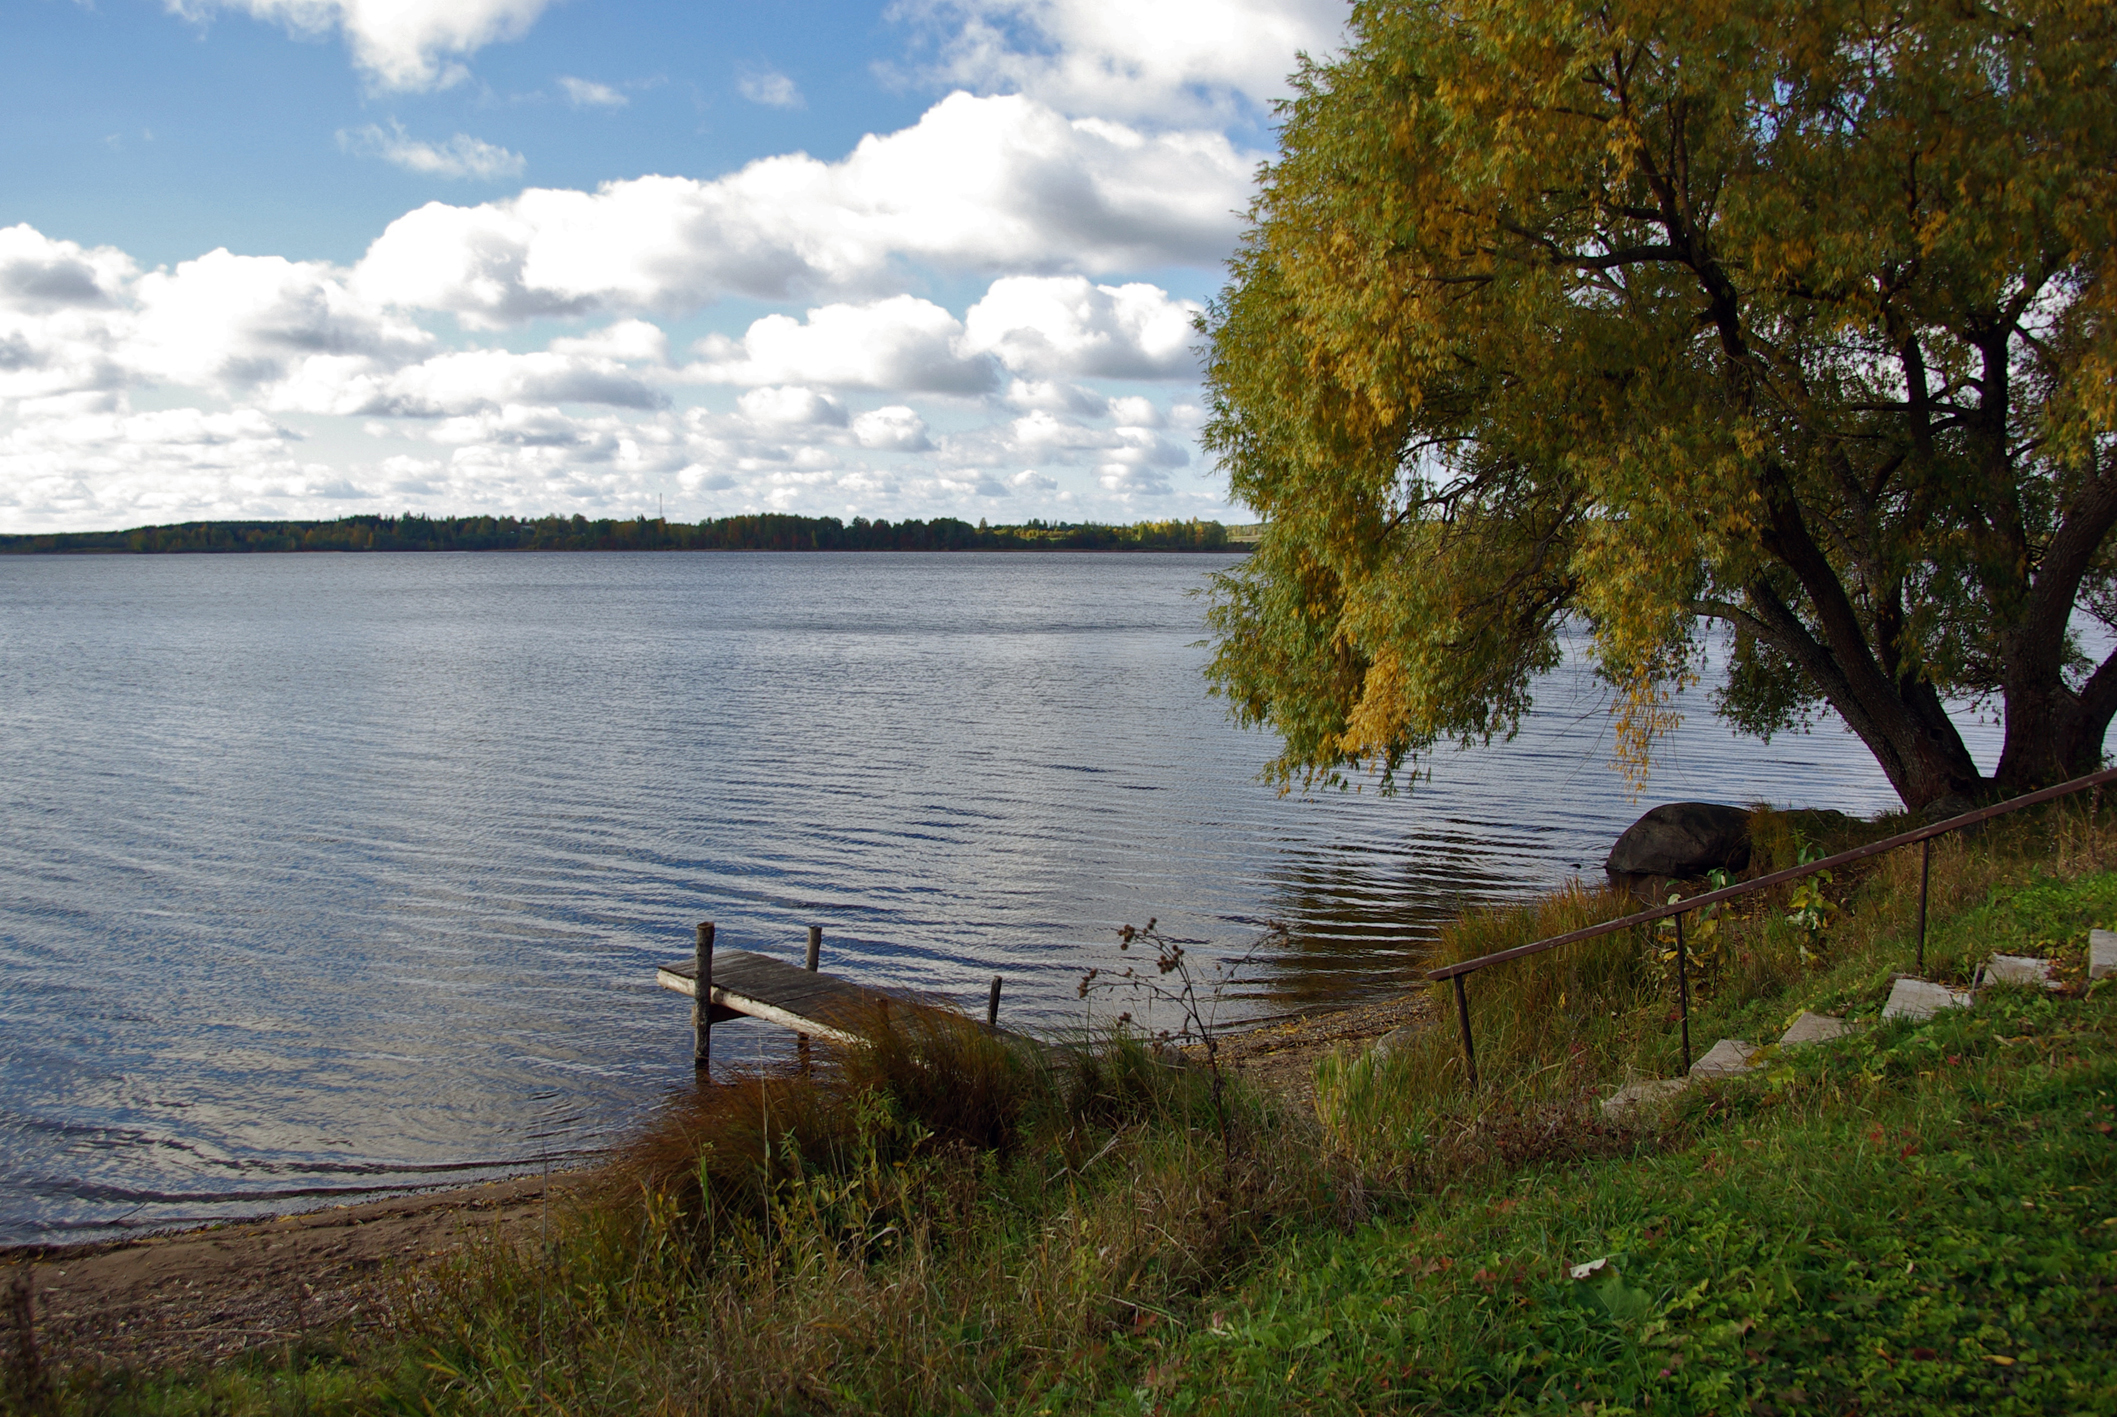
763,532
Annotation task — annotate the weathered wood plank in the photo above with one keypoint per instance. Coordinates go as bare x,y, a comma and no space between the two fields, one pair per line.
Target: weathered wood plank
747,984
759,986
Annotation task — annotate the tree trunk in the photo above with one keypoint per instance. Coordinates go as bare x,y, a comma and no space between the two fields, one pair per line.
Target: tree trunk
2051,735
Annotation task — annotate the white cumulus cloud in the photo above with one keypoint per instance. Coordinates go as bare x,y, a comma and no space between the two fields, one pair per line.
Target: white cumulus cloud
460,156
1066,327
628,341
398,44
586,93
902,343
1173,60
242,324
896,429
791,406
770,88
1002,184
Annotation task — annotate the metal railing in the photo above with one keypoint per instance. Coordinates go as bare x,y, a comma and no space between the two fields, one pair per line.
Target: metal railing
1922,838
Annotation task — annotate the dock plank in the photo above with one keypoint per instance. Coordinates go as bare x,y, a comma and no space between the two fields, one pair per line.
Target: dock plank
751,985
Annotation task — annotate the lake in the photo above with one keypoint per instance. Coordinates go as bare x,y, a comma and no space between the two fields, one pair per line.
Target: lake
327,875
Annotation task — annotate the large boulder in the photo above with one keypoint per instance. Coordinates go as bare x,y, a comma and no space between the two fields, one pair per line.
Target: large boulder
1683,839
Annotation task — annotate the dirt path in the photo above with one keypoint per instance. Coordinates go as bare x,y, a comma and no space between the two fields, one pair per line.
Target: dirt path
202,1295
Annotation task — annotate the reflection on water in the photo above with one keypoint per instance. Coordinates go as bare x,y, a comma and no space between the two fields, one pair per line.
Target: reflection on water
328,874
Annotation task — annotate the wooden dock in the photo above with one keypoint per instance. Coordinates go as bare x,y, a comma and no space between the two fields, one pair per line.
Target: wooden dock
752,985
744,984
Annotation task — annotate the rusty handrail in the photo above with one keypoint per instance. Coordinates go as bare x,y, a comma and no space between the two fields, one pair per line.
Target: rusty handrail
1923,836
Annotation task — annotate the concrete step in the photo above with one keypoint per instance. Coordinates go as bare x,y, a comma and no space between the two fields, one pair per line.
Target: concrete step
2024,970
1636,1095
1813,1028
1729,1057
1919,999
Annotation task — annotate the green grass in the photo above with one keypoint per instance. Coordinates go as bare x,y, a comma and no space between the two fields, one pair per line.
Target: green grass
1922,1221
1910,1221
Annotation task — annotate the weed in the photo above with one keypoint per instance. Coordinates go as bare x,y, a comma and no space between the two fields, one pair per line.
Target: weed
25,1386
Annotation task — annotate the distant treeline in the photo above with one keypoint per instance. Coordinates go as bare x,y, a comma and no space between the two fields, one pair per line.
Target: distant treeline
752,533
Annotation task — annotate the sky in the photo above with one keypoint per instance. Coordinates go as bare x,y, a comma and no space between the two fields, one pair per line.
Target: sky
313,258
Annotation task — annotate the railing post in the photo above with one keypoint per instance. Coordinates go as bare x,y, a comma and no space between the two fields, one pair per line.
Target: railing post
1683,990
702,1001
1925,873
1462,1017
992,1005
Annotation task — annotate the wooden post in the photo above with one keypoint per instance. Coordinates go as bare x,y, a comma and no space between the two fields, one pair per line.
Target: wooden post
992,1005
1925,875
1462,1017
702,1001
801,1040
1683,991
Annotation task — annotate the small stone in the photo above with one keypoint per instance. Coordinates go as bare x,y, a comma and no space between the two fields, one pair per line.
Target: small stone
2102,953
1650,1093
1729,1057
1394,1042
2019,969
1813,1028
1919,999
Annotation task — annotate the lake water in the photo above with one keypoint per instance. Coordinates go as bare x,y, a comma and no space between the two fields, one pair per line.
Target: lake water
323,875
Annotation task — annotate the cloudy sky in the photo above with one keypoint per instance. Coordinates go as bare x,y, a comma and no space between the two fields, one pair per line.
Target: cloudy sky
301,258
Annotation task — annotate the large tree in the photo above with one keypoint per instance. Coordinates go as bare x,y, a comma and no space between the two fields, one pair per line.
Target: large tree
1784,320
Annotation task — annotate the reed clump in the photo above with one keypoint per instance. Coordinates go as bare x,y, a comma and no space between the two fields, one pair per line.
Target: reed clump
925,1219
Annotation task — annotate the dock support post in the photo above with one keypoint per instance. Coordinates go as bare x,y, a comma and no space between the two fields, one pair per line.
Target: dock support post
702,1001
992,1005
801,1040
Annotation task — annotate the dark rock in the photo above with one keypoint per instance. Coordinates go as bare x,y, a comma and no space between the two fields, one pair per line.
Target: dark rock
1682,839
1940,809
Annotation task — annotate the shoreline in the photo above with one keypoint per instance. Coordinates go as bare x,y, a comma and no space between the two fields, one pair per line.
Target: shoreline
212,1292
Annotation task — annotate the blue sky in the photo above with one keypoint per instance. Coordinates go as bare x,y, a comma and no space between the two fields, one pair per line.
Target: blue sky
295,258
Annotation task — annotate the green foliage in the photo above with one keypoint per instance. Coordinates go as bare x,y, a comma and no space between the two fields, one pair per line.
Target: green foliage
1786,316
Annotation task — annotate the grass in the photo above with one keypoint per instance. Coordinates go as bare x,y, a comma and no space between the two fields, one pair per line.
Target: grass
1909,1222
1924,1222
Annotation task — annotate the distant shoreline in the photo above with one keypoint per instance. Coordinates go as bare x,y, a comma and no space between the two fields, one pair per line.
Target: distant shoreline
769,532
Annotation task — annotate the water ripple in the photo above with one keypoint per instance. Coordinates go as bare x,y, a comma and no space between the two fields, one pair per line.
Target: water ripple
322,868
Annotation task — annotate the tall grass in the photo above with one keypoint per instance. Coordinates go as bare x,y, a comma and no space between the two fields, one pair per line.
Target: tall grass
1555,1030
926,1219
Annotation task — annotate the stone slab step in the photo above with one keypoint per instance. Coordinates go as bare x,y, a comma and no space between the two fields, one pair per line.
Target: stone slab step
1920,999
2024,970
1730,1057
2102,953
1813,1028
1633,1096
